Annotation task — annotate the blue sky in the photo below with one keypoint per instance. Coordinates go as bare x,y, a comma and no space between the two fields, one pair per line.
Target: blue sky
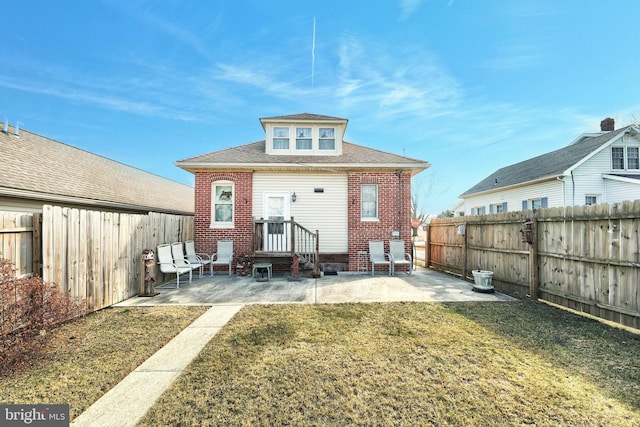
469,86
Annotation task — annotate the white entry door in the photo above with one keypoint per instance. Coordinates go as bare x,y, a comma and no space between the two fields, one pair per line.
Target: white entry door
277,236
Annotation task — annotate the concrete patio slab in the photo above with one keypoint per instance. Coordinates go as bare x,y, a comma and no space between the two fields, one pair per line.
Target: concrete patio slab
423,285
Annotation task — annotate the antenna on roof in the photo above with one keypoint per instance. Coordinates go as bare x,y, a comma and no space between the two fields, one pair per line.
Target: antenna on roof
16,128
313,51
5,128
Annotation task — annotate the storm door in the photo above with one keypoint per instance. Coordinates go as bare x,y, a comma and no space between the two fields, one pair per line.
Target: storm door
277,232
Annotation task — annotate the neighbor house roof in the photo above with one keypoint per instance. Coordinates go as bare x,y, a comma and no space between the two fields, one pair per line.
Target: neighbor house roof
253,157
549,165
38,168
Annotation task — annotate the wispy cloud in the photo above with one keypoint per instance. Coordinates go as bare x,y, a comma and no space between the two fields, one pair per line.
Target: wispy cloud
395,81
515,57
170,28
408,8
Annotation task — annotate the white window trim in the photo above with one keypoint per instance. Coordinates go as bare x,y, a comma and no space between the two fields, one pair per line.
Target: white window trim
625,158
222,224
626,152
595,196
293,139
377,215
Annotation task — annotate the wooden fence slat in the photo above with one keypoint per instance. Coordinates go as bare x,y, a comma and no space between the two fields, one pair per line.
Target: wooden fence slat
586,257
96,255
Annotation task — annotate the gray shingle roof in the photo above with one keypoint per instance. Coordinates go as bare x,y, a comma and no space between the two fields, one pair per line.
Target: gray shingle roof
304,116
253,156
36,165
546,165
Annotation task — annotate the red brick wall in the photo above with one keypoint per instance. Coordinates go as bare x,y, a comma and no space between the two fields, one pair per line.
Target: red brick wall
394,212
205,237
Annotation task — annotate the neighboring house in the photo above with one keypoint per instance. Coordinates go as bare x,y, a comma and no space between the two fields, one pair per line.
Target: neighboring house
37,170
303,169
601,167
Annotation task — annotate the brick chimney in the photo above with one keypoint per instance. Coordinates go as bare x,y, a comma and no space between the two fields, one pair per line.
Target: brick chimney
607,125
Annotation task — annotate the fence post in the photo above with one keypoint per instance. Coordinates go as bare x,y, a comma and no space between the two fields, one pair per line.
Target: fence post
533,261
464,252
36,245
427,245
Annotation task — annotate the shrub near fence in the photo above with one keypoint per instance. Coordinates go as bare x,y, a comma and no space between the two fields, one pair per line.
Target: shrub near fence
97,255
586,258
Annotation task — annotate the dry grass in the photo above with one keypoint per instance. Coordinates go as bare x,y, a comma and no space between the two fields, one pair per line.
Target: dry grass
520,363
85,358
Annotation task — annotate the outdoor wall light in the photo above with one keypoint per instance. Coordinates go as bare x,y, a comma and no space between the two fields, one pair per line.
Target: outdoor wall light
294,197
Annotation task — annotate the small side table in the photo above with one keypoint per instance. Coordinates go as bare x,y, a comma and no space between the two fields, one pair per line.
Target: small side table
262,266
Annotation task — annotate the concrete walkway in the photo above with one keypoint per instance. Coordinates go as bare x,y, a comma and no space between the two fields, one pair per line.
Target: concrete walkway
128,402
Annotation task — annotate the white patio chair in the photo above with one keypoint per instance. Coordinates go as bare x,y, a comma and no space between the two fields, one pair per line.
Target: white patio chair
399,256
180,259
167,266
224,256
378,256
197,257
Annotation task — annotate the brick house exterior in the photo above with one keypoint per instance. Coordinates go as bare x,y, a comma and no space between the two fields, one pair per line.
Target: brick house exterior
319,180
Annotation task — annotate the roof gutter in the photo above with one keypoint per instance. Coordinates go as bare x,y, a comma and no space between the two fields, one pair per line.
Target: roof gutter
195,166
622,178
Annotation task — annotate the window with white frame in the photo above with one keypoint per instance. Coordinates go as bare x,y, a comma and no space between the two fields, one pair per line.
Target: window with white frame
617,157
625,158
280,138
498,208
633,162
369,201
327,139
590,200
478,210
303,139
541,202
222,197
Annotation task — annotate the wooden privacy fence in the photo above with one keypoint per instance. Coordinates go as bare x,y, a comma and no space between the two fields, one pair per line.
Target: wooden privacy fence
586,258
98,255
20,241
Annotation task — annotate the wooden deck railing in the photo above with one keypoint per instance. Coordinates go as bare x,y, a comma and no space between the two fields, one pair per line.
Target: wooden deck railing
286,237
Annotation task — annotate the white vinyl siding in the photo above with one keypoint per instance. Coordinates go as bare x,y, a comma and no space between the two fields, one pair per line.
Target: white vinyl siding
325,211
619,191
513,198
572,188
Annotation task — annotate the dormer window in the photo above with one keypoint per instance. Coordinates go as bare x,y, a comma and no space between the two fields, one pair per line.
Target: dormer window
281,138
303,139
304,135
327,139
